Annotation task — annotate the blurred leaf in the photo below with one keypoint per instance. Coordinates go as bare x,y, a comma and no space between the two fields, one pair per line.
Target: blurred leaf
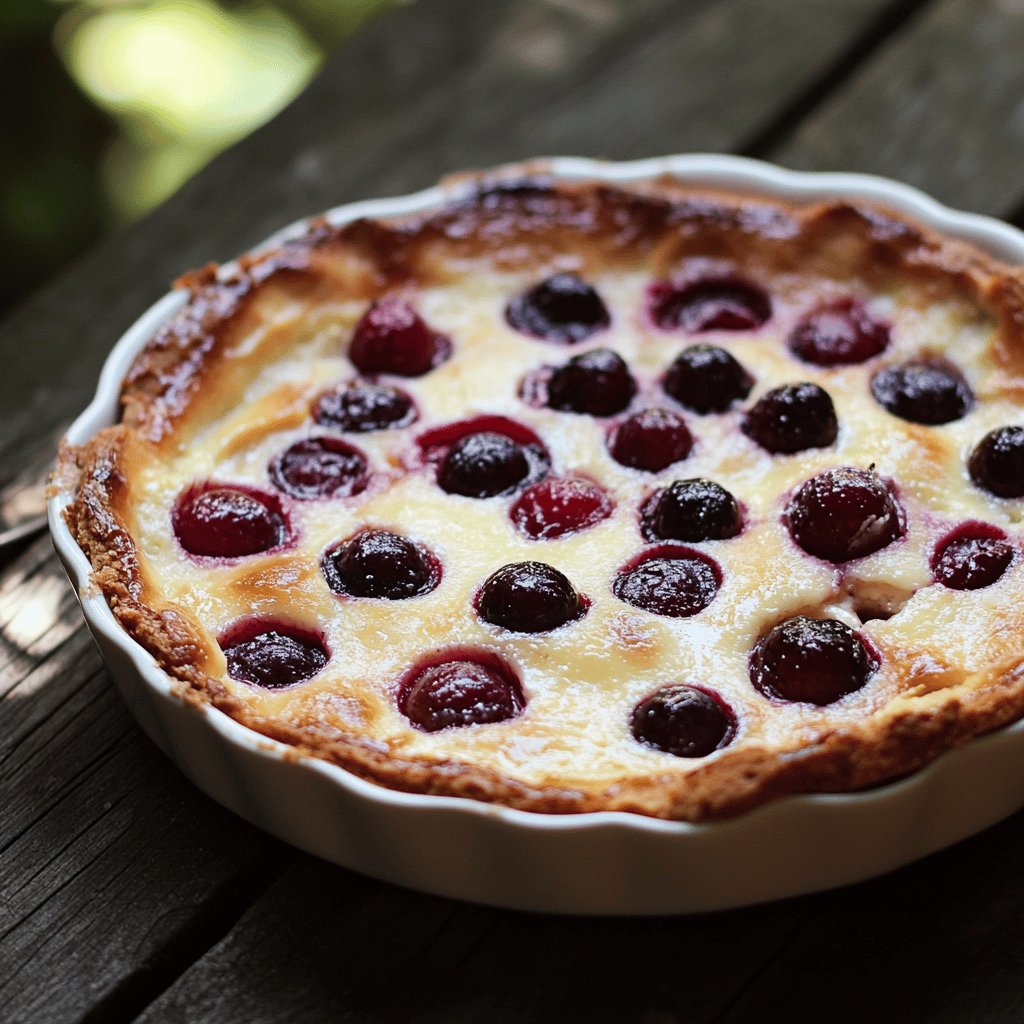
149,91
190,68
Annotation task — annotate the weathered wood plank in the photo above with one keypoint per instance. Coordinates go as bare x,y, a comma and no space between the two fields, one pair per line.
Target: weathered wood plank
939,107
109,860
940,941
375,953
708,86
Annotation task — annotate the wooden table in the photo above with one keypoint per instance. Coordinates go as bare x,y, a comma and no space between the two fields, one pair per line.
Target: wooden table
127,895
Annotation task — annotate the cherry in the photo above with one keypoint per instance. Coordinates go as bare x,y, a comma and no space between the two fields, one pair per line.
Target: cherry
319,467
718,303
391,337
378,563
596,382
811,661
669,580
460,689
706,379
692,510
839,334
928,391
558,506
971,557
562,308
684,721
483,465
997,462
359,407
272,655
792,418
528,597
651,439
843,513
228,522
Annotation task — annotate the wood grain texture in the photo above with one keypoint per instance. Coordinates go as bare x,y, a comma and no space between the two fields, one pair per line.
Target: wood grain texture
373,953
109,859
941,107
940,941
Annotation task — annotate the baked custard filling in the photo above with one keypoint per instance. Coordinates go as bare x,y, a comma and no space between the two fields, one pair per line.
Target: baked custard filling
576,498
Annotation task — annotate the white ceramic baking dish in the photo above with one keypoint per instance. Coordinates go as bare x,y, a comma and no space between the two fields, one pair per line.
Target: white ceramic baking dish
603,863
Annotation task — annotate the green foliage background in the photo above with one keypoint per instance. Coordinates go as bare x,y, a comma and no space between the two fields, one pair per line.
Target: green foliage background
109,105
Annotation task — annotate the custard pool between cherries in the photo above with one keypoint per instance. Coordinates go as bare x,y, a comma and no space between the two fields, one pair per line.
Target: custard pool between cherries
650,420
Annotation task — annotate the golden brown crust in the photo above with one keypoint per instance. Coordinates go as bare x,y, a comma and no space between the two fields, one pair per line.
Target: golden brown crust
173,387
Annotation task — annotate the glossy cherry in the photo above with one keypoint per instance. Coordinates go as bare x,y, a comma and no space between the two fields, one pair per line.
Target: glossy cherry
597,382
811,661
839,334
483,465
792,418
559,506
691,510
929,391
391,337
320,467
272,655
528,597
228,522
379,563
668,580
844,513
651,440
714,303
460,689
707,379
997,462
685,721
973,556
562,308
359,407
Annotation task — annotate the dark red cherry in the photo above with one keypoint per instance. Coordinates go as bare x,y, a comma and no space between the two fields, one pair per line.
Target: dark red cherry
319,467
843,513
973,556
558,506
360,407
483,465
839,334
810,661
462,689
721,303
684,721
391,337
928,391
596,382
228,522
562,308
651,439
378,563
692,510
997,462
707,379
272,655
528,597
792,418
668,580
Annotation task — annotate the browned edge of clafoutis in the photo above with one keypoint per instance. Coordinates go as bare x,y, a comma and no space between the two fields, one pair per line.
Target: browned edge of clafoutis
184,378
